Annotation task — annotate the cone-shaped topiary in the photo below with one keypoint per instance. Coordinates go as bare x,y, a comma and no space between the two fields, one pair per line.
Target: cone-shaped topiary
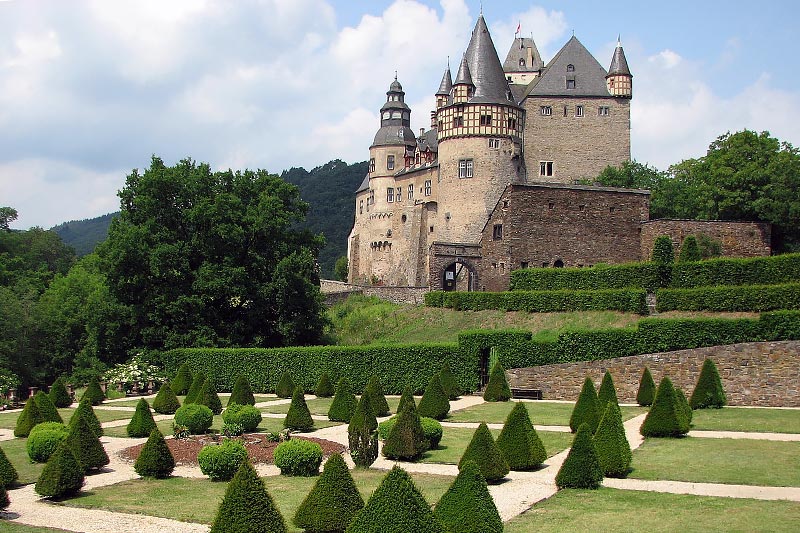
406,440
247,507
47,408
4,501
606,393
142,423
62,475
29,417
708,392
344,403
165,402
362,435
407,396
519,442
467,506
208,396
378,402
182,380
324,388
155,459
581,468
333,502
194,389
497,390
8,474
483,450
242,393
683,403
663,251
449,383
434,402
396,506
647,389
298,417
285,387
586,408
86,446
690,251
59,395
86,412
613,449
94,392
665,418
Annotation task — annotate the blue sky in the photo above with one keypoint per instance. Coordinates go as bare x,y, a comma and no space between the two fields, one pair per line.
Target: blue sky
89,89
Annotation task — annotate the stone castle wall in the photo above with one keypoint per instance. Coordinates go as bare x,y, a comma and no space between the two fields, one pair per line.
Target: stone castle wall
337,291
738,239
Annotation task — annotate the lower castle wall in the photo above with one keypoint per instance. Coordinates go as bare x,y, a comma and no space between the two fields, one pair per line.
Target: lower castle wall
738,239
337,291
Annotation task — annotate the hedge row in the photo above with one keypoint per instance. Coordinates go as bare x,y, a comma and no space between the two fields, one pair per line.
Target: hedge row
754,298
628,275
728,271
626,300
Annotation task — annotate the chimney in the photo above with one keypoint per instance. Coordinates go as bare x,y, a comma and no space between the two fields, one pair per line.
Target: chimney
530,56
433,119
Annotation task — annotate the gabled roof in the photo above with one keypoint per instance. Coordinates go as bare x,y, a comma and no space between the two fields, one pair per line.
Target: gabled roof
488,76
519,50
619,65
447,83
589,76
364,185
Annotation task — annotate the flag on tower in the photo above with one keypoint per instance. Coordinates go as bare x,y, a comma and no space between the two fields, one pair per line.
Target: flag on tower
519,27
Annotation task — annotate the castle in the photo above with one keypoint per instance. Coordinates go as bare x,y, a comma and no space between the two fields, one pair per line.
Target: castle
493,185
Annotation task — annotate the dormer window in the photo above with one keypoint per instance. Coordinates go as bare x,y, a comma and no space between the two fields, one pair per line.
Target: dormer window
570,68
522,61
570,84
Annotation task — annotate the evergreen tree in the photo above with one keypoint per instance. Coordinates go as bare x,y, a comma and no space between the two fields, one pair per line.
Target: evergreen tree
586,408
406,440
690,251
663,253
247,507
467,506
324,388
182,380
378,402
434,402
155,460
8,474
362,434
606,393
647,389
62,475
142,423
344,403
396,506
285,387
407,396
298,417
483,451
449,383
86,446
613,449
665,418
497,390
94,392
86,412
683,403
208,396
242,393
59,395
29,417
581,468
4,501
708,392
193,393
46,408
333,502
166,402
521,446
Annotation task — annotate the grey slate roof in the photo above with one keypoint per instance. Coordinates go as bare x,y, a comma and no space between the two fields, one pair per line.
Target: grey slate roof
619,65
447,83
491,86
519,50
429,140
464,76
364,185
394,135
589,76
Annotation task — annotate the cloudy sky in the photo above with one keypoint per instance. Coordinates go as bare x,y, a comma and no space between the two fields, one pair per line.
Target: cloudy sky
90,89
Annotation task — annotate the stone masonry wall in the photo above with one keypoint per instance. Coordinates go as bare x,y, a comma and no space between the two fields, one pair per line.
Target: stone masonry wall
337,291
739,239
757,373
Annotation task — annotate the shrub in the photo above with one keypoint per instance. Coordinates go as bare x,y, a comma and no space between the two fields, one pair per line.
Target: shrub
434,402
142,422
182,380
94,393
406,440
165,402
232,430
344,403
361,433
586,408
194,389
665,418
663,252
542,301
43,440
247,507
4,501
689,250
208,397
86,412
497,390
285,387
483,450
708,392
221,461
298,457
581,468
196,418
242,393
248,416
47,408
606,393
613,449
647,389
518,441
378,403
59,395
324,388
738,271
406,397
631,275
683,403
62,475
333,502
27,419
467,506
752,298
449,383
431,429
396,506
8,474
298,417
86,446
155,460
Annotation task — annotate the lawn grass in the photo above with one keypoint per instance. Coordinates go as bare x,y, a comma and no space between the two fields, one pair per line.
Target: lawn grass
266,425
9,420
615,510
320,406
17,454
758,420
541,413
176,497
455,441
16,527
734,461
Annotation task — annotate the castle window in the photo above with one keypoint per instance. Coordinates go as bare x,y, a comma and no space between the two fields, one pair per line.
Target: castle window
428,191
512,123
486,120
371,196
570,84
506,204
390,194
546,168
551,205
361,207
387,115
546,110
522,61
390,162
458,122
430,229
523,264
440,126
578,110
570,68
581,207
410,191
494,143
398,194
502,267
602,111
372,165
465,168
403,219
497,232
558,263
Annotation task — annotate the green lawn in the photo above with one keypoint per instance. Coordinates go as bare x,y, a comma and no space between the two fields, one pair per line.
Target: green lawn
759,420
633,511
735,461
9,420
541,413
455,441
17,453
170,498
320,406
223,398
266,425
14,527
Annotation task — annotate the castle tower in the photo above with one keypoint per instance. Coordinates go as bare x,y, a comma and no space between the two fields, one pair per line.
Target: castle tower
523,62
619,78
445,88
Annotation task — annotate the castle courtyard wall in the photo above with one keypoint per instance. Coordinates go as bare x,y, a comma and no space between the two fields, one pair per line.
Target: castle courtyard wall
738,239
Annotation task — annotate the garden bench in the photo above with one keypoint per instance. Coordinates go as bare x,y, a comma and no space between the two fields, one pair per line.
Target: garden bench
529,394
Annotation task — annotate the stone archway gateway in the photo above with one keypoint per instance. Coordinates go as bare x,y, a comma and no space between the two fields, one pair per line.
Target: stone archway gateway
458,276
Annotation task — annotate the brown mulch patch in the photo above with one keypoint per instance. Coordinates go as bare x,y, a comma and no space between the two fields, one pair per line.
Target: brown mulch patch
259,449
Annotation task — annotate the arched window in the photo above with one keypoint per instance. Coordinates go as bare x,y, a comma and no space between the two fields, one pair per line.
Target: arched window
522,61
570,68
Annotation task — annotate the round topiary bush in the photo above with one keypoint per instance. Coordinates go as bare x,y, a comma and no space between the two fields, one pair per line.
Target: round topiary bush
467,506
86,446
196,418
182,380
519,442
586,408
247,506
581,469
378,403
298,417
247,416
333,502
324,388
62,475
155,460
242,393
221,461
483,451
43,440
431,429
142,422
28,418
285,386
208,396
344,403
59,395
708,392
166,402
298,457
47,408
94,393
434,402
647,389
497,390
8,474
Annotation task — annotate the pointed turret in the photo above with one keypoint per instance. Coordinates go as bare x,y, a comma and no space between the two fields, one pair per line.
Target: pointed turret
463,87
445,87
491,85
619,78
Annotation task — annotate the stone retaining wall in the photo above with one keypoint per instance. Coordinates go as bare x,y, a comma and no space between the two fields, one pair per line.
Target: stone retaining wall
337,291
757,373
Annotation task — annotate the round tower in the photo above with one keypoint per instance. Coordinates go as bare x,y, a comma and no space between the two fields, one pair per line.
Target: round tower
619,78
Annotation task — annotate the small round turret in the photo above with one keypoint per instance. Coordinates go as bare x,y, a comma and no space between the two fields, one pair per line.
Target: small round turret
619,78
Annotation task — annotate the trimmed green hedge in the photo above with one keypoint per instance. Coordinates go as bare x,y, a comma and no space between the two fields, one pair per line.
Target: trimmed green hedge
624,276
729,271
754,298
546,301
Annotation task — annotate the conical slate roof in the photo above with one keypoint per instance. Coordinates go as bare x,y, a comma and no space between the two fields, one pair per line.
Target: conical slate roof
588,76
519,50
447,83
464,76
619,65
491,86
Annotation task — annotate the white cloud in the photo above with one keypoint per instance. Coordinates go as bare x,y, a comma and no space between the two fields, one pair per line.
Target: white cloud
547,28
